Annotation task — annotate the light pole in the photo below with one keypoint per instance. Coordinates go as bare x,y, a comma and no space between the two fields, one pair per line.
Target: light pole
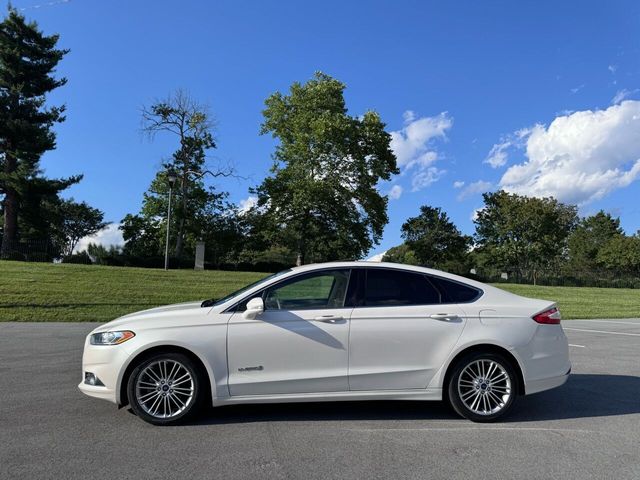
171,178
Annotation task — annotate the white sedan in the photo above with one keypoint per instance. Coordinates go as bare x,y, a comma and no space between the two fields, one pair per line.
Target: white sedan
332,332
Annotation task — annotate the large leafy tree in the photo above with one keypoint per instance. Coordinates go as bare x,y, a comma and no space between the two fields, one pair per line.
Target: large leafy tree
523,235
591,234
198,211
75,221
621,254
401,254
321,201
434,238
28,59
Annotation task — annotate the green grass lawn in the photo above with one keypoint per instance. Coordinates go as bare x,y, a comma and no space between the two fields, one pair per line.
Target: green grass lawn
82,293
584,302
90,293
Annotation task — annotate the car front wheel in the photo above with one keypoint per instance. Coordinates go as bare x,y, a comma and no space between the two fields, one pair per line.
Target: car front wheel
165,389
483,387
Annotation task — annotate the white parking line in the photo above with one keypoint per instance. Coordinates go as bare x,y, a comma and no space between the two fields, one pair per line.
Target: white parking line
453,429
603,331
579,346
608,321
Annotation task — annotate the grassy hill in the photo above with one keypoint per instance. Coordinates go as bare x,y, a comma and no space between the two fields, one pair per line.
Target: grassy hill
81,293
92,293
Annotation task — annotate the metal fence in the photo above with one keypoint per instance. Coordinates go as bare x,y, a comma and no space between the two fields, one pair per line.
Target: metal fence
27,250
594,278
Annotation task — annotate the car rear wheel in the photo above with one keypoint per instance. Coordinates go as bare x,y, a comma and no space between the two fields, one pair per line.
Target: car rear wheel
165,389
483,387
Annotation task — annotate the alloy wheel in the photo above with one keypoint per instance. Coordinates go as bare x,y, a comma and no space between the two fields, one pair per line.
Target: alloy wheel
484,387
164,389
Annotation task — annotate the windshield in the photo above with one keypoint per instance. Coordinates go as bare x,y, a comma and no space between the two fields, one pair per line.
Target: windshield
244,289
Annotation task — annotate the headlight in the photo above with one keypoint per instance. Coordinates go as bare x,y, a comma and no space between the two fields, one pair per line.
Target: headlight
110,338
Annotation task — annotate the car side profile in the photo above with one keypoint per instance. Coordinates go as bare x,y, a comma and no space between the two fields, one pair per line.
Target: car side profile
332,332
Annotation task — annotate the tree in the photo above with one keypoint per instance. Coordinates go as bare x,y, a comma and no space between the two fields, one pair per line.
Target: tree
76,220
434,238
524,235
622,254
28,59
590,235
183,117
143,236
207,216
322,201
401,254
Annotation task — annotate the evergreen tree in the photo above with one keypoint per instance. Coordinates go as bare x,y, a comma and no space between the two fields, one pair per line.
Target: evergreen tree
28,59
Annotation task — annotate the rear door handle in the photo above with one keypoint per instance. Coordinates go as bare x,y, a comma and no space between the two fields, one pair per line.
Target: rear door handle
329,318
445,317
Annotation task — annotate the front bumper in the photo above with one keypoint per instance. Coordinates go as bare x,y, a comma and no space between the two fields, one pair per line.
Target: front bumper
107,363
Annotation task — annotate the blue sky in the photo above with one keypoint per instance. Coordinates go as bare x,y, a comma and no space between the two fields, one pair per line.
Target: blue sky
536,97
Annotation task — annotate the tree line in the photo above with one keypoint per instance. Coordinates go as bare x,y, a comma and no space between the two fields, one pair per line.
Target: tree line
526,239
320,201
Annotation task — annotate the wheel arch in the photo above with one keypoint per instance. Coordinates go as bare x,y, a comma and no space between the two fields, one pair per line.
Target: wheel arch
484,348
123,399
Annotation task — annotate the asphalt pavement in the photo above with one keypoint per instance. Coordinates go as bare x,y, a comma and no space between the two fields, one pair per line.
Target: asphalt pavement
589,428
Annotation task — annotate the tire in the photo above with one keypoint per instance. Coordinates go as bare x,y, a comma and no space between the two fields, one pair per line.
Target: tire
483,387
166,389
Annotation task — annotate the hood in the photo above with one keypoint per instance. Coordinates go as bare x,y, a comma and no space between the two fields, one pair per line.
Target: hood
166,308
179,311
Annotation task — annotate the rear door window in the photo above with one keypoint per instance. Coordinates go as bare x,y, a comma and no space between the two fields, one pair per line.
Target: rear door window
386,288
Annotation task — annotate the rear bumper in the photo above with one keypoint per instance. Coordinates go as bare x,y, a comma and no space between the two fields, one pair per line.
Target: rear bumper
543,384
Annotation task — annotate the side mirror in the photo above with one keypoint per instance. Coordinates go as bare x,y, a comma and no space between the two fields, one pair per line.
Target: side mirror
255,307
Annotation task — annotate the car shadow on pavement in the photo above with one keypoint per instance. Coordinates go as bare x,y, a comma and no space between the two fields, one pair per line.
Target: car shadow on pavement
584,395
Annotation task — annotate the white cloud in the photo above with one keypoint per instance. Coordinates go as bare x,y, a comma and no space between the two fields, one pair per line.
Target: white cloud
395,192
426,177
612,68
622,95
247,204
474,214
413,147
577,89
474,188
377,258
580,157
458,184
109,235
499,153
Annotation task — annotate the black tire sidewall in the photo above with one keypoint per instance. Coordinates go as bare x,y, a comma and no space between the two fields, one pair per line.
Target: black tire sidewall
454,397
191,409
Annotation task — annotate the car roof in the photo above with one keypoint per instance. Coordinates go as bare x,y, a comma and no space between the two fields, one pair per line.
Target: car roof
389,265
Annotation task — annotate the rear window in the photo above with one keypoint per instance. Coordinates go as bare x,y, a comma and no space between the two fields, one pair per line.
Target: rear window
455,292
386,288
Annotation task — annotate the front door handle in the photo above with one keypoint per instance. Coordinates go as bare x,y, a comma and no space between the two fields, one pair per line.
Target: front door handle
446,317
329,318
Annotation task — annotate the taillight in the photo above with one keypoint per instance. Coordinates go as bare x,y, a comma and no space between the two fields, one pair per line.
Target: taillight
549,317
